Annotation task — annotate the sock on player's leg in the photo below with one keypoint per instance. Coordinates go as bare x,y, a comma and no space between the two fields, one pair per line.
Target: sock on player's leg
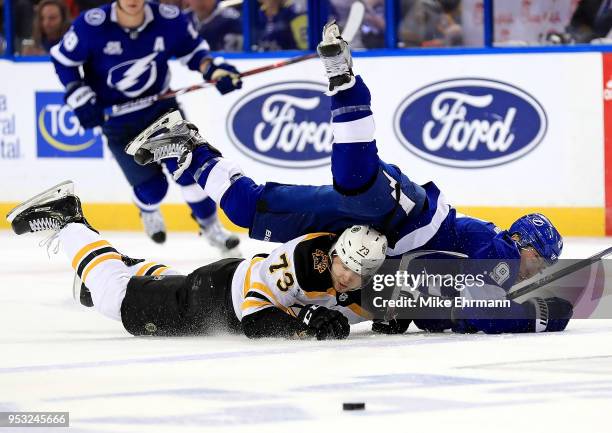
98,265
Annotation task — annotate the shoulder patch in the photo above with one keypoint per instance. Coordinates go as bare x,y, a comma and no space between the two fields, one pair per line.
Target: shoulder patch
169,11
320,261
95,17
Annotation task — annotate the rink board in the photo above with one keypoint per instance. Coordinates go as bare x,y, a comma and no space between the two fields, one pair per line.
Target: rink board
546,151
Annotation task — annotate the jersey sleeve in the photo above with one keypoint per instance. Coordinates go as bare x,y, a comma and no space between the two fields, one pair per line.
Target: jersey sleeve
191,49
71,52
293,268
349,304
270,282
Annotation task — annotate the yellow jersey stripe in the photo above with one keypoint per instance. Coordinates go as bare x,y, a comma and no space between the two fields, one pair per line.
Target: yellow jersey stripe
360,311
266,290
97,261
160,270
144,268
255,304
315,235
247,278
86,250
330,292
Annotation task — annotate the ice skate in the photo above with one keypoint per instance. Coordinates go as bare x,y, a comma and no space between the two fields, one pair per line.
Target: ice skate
170,136
337,60
226,242
154,226
50,210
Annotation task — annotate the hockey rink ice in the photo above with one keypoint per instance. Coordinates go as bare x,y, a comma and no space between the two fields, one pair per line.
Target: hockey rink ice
58,356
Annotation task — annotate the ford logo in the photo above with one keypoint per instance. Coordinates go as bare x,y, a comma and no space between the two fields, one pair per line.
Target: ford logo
470,123
284,124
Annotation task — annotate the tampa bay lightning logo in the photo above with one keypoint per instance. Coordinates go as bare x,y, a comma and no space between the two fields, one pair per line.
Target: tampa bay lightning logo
134,77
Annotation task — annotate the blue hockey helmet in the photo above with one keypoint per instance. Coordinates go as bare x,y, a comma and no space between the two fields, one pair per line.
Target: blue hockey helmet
535,230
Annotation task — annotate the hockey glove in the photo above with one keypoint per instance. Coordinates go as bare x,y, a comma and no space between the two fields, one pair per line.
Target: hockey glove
392,327
82,99
323,323
226,76
551,314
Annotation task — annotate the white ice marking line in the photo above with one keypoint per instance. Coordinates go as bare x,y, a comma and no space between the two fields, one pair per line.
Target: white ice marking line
534,361
406,341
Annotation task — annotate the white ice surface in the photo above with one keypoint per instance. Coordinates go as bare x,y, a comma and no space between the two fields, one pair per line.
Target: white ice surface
57,356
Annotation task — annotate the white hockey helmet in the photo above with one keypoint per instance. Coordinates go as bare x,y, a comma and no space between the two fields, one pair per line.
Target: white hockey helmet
361,248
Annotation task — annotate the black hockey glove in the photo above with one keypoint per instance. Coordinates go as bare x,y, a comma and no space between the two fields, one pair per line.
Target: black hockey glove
226,76
392,327
550,314
323,323
82,99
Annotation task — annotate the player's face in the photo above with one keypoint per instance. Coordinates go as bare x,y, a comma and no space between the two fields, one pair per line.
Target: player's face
343,279
132,7
51,20
531,263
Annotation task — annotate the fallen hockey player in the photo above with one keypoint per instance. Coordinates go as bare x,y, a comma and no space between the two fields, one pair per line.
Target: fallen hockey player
367,190
306,287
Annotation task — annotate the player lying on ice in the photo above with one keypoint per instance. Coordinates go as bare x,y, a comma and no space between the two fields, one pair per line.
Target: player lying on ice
292,292
367,190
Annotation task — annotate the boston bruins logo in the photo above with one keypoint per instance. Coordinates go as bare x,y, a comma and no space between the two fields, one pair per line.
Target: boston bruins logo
320,261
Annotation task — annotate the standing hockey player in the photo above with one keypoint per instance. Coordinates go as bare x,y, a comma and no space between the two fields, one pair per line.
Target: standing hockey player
123,49
306,287
367,190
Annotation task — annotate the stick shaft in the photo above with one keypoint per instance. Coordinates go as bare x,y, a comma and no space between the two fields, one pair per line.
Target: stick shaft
559,274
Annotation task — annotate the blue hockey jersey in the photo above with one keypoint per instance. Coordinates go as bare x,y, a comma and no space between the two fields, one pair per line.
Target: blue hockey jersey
222,29
122,64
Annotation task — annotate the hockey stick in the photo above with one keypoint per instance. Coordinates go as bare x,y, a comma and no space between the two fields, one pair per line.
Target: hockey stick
546,279
349,32
140,103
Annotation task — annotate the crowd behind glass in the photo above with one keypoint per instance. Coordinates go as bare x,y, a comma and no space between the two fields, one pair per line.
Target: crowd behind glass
283,24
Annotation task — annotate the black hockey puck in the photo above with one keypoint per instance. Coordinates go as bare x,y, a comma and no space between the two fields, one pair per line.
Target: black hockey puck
353,406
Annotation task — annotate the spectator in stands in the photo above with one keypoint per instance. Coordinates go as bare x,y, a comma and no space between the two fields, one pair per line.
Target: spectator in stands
373,27
222,28
51,21
431,23
280,26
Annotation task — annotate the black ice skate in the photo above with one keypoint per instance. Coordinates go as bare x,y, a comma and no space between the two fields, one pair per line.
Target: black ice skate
170,136
337,60
50,210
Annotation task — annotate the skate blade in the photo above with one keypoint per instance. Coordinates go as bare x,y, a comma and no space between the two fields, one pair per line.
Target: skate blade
56,192
168,120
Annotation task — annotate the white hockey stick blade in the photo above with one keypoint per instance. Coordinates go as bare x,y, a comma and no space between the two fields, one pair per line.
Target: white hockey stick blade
353,21
224,4
168,120
55,192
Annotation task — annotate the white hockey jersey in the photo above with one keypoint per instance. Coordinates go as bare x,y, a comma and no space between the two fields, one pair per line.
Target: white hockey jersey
293,275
